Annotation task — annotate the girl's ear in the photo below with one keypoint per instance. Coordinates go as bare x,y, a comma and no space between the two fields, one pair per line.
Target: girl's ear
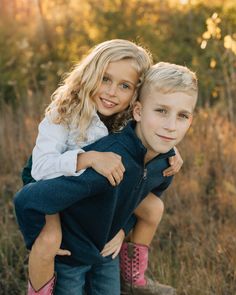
137,110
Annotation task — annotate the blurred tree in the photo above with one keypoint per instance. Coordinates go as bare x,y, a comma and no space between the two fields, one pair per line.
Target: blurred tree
48,36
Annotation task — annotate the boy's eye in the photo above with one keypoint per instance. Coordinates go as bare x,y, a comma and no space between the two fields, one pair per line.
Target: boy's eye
161,111
184,116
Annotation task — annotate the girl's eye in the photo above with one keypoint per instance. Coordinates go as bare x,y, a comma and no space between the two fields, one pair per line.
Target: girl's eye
125,86
105,79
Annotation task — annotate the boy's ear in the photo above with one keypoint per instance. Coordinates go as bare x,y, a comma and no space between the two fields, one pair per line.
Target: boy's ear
137,109
191,120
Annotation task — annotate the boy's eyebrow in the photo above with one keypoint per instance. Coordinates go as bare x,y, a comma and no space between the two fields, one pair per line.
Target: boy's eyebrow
166,106
125,80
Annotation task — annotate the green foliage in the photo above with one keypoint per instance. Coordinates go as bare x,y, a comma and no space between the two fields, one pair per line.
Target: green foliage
46,39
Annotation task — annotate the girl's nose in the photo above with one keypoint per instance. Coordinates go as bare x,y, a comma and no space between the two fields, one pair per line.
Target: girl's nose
111,89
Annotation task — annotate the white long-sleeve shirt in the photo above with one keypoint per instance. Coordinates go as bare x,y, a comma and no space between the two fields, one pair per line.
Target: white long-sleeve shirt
57,147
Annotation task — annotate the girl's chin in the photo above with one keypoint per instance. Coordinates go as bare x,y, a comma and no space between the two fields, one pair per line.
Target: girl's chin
104,116
107,111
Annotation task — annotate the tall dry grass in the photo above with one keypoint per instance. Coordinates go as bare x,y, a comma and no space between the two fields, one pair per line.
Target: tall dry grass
196,243
194,248
18,130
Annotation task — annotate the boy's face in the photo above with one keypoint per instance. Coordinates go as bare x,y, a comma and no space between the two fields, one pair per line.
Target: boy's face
163,120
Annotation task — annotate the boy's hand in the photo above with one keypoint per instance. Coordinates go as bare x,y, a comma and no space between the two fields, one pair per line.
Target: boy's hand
175,162
114,245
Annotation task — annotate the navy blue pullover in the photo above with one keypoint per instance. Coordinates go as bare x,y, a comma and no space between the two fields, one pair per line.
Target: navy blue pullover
92,211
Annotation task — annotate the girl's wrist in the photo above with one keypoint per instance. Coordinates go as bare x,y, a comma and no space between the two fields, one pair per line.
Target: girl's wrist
84,160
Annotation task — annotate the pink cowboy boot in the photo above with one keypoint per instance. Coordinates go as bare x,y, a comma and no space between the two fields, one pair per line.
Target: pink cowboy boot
133,265
47,289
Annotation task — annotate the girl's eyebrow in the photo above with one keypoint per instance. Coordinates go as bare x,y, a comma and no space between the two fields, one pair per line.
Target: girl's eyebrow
123,80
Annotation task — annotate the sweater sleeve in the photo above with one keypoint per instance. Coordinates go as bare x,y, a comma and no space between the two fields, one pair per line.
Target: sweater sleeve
158,191
130,224
50,156
51,196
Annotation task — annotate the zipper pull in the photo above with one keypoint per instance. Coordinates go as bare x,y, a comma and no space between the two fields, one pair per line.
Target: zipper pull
144,173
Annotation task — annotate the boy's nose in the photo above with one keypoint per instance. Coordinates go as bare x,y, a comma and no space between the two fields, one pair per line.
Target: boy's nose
170,124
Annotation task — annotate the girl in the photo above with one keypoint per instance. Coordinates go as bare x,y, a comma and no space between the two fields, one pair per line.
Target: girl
94,99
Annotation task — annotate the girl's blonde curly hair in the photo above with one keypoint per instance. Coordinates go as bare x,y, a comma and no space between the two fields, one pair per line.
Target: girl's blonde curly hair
72,101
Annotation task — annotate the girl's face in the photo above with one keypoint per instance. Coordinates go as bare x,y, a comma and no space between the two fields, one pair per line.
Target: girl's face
117,88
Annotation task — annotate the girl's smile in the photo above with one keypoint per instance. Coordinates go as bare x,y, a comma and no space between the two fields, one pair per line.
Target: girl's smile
108,103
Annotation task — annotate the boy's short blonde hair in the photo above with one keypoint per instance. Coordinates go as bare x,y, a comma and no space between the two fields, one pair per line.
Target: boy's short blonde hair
168,78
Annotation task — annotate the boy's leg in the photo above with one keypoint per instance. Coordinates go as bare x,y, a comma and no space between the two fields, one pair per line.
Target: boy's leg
70,279
104,279
43,252
134,255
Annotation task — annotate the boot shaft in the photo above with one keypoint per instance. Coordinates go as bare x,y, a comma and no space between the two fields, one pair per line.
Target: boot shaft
47,289
134,263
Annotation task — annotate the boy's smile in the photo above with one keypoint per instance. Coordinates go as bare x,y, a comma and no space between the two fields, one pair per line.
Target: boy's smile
162,120
165,138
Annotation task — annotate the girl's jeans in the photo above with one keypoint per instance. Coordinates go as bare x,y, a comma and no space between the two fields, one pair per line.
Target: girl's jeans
96,279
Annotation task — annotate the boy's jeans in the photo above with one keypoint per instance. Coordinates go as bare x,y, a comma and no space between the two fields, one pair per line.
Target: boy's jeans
100,279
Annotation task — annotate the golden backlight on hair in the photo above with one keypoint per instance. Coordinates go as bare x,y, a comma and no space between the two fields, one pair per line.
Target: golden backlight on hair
168,78
72,101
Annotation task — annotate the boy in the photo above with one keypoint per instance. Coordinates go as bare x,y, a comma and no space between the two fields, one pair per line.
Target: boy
92,211
163,115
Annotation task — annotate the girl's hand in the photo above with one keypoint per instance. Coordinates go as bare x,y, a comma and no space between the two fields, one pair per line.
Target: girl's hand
175,162
107,164
114,245
63,252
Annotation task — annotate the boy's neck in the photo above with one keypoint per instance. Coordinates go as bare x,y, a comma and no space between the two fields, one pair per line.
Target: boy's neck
149,156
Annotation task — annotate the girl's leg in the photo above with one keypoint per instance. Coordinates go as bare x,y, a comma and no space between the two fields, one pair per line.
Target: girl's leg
134,255
43,252
149,214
